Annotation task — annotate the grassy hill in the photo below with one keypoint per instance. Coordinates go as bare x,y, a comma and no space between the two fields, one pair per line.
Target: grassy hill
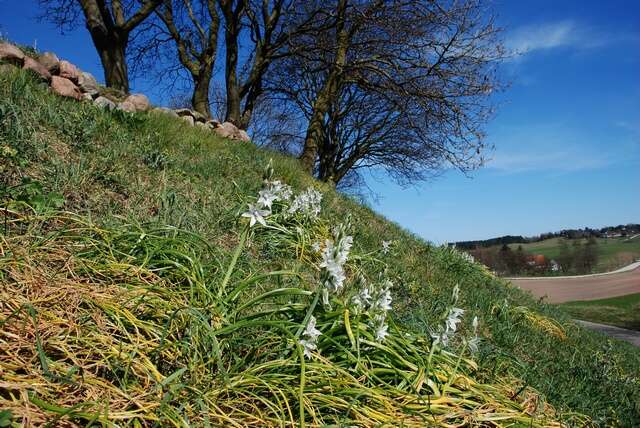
133,293
613,253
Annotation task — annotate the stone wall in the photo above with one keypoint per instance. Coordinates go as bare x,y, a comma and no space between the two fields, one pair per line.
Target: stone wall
67,80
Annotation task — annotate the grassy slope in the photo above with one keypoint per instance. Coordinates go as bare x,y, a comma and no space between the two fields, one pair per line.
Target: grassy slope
613,252
111,167
621,311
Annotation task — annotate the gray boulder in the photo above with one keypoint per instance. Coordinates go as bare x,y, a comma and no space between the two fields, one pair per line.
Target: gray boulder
104,102
135,103
189,119
88,84
197,117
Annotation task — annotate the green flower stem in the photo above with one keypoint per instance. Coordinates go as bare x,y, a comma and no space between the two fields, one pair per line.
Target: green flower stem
302,381
234,261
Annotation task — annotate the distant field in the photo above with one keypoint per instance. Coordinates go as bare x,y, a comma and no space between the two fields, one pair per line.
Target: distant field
613,252
623,311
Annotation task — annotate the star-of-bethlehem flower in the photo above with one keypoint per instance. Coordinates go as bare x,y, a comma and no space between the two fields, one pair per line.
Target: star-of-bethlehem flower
266,198
385,246
384,300
256,215
382,332
453,319
363,298
311,333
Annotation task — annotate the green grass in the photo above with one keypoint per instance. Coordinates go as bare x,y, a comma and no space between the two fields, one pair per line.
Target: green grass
623,311
613,253
112,310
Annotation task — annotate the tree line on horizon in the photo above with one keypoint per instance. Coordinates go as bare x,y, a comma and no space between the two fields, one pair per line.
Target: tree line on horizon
403,86
622,230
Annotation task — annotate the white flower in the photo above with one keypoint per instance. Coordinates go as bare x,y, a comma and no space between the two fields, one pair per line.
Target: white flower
466,256
384,300
453,319
282,191
456,292
381,332
307,202
333,259
385,246
311,331
365,295
315,247
266,198
325,297
363,298
474,323
256,214
308,347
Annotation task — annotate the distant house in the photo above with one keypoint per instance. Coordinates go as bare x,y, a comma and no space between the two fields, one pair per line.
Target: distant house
537,261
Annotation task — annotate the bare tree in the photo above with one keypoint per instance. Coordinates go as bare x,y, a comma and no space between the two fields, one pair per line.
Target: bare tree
194,29
110,23
268,25
399,84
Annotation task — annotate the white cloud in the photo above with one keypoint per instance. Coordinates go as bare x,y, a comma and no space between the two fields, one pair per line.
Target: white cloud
543,36
565,33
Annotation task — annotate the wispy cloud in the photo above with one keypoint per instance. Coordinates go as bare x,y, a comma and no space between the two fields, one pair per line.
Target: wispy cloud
544,36
564,33
566,160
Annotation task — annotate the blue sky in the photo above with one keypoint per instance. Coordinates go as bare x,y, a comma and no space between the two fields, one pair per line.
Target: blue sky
567,133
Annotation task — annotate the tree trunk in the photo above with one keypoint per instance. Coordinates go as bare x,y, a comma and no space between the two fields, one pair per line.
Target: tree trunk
114,63
200,98
231,77
314,133
326,95
327,162
111,45
250,104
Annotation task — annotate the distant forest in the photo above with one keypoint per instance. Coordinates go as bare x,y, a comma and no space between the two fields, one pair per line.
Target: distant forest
609,231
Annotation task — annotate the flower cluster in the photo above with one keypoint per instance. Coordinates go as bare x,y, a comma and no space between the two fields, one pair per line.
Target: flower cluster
386,245
454,317
311,334
450,327
307,203
468,257
376,301
272,191
334,256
